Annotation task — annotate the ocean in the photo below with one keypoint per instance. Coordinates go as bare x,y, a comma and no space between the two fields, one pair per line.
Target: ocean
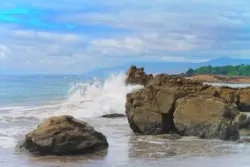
25,101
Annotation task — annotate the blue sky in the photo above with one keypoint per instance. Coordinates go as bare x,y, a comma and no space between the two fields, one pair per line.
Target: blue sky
75,36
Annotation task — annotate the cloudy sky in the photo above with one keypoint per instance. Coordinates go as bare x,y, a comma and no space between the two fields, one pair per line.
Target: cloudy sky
73,36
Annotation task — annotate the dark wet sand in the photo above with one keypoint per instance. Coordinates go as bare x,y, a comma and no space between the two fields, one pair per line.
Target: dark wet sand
129,150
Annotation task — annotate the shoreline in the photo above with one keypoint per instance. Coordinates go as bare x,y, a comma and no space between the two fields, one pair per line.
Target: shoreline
220,79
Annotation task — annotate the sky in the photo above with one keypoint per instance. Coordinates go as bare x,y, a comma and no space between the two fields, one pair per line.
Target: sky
76,36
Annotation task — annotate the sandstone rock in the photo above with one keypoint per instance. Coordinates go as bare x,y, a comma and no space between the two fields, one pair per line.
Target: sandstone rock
137,76
244,100
63,135
173,80
166,98
206,117
150,111
143,113
228,94
154,109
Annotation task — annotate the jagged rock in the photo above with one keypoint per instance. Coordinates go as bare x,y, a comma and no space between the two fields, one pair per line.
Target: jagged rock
173,80
153,109
137,76
241,97
115,115
206,117
63,135
228,94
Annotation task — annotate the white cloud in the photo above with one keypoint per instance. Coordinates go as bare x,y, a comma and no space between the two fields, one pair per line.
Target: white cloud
115,46
4,51
140,30
147,44
182,59
39,35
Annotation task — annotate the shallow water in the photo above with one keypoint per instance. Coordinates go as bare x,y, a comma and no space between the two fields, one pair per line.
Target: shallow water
128,149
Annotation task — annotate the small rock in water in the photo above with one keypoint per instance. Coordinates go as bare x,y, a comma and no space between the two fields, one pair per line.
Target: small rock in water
116,115
63,135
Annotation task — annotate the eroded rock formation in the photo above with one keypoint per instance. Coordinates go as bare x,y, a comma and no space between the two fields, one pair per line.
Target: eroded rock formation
63,135
171,103
137,76
206,117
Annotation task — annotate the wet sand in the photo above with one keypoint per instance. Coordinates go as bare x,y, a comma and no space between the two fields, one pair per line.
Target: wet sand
129,150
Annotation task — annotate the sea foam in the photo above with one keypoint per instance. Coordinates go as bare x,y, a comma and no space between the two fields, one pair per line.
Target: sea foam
89,99
93,98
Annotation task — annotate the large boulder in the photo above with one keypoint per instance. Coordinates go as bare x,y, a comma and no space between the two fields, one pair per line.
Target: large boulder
167,102
63,135
150,110
206,117
137,76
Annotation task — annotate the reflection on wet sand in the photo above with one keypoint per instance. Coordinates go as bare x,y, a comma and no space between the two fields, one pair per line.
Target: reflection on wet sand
154,147
127,149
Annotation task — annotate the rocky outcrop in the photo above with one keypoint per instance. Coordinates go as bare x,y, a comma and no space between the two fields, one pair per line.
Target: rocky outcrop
137,76
63,135
173,80
143,113
150,111
157,108
228,94
220,79
241,97
206,117
244,100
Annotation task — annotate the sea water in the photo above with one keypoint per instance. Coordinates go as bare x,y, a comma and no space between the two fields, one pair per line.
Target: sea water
25,101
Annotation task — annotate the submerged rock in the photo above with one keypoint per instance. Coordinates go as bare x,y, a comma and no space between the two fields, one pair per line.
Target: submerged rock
63,135
115,115
206,117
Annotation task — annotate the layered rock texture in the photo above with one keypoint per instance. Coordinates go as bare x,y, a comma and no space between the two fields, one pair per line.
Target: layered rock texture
63,135
173,104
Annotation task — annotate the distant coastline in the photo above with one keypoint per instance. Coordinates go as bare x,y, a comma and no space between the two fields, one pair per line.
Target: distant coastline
220,74
220,79
239,70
